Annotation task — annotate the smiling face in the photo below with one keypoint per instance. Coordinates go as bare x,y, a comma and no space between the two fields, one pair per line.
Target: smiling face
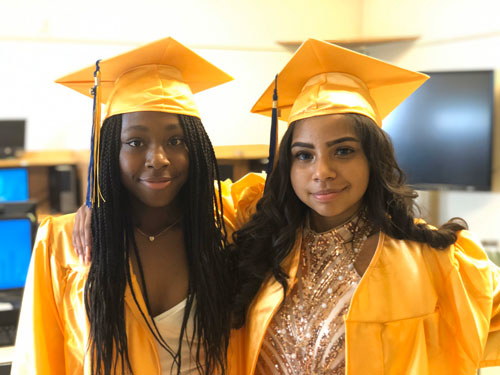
154,160
329,171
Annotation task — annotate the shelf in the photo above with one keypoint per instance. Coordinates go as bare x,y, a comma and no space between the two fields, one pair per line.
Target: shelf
241,152
45,158
6,354
356,42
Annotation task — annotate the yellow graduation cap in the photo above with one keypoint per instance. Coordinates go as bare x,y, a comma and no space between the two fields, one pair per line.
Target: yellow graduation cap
160,76
322,78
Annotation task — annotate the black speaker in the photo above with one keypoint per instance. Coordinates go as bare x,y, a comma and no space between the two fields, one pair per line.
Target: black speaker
64,189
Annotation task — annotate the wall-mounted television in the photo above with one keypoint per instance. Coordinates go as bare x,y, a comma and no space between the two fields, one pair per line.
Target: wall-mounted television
442,134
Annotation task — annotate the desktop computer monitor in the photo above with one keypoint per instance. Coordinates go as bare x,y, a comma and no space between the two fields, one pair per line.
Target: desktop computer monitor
12,138
15,252
18,225
13,184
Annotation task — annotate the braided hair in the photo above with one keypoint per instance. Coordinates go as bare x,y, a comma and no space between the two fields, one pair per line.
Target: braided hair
261,245
112,239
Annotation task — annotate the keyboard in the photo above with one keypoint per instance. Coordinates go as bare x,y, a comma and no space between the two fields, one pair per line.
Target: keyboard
12,297
10,303
7,335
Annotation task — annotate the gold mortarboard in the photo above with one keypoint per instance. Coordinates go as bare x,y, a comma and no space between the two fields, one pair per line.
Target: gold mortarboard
161,76
322,78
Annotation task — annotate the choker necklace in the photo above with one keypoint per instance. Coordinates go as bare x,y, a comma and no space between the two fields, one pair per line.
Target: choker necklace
348,237
162,232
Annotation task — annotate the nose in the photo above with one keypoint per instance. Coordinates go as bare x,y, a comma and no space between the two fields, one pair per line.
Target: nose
324,169
157,158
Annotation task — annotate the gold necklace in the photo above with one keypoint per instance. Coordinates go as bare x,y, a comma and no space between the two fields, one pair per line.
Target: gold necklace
151,238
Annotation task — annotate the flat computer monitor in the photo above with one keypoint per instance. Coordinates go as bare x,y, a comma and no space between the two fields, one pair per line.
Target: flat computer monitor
14,184
18,225
12,137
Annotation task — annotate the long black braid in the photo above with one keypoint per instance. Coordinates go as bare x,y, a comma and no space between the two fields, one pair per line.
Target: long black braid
112,239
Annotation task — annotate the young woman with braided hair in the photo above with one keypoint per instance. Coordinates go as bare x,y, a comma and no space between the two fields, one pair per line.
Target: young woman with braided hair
155,298
197,222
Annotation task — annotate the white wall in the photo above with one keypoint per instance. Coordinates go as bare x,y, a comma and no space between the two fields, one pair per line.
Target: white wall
42,40
431,19
256,24
481,210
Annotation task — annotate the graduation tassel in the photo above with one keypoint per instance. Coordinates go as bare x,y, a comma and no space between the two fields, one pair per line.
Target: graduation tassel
273,142
93,188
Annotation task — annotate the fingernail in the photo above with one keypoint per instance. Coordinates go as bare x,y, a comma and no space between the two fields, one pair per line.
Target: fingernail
80,257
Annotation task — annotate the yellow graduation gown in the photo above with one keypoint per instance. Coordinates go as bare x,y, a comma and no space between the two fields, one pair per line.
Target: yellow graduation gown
53,329
416,311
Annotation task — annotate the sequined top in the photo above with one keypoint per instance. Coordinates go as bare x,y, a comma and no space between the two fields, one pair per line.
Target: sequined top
306,335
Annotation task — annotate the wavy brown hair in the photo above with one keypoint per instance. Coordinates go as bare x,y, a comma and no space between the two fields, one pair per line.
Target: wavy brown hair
261,245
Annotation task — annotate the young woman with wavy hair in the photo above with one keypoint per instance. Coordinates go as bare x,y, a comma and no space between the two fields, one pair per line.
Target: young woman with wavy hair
334,272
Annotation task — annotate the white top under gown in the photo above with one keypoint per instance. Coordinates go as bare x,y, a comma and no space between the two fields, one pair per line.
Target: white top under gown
169,325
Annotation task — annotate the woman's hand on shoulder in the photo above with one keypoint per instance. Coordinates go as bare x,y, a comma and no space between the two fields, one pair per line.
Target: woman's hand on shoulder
81,234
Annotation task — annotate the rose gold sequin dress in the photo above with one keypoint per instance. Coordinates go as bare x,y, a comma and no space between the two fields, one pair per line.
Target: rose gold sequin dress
306,335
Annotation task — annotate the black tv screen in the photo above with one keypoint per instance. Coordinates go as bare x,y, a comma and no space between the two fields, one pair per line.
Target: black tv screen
12,133
442,134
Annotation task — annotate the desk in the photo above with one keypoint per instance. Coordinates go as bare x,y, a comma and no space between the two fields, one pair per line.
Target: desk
45,158
240,158
6,354
38,164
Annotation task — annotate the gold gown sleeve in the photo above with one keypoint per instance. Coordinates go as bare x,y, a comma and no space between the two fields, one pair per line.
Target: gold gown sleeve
474,289
39,345
491,355
240,198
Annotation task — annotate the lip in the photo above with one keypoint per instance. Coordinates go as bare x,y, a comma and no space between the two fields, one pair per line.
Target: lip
327,194
156,183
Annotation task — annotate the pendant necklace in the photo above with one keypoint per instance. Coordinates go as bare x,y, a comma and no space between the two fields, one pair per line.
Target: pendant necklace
151,238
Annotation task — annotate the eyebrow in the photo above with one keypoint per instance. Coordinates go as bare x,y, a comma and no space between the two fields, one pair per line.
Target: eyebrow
329,143
145,128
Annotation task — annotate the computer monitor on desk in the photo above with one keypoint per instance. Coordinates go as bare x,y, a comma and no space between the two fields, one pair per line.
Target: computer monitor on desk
18,225
12,138
14,186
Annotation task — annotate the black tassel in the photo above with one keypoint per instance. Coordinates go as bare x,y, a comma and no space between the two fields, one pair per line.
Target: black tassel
273,142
